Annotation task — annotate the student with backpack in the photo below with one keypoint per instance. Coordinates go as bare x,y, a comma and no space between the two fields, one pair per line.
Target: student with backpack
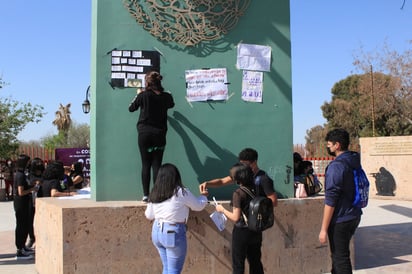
246,243
341,216
263,183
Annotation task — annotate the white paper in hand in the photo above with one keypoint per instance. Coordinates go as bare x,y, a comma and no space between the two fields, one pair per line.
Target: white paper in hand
218,218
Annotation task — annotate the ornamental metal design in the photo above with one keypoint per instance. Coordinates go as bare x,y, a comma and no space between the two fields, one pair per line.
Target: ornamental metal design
187,22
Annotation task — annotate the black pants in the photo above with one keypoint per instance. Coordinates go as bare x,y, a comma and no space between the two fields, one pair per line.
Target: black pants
22,211
31,221
340,235
151,148
246,244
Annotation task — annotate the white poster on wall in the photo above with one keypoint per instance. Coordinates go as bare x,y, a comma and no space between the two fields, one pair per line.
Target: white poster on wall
253,57
206,84
252,86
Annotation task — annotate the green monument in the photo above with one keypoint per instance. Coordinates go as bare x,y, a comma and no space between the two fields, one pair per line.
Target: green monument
228,67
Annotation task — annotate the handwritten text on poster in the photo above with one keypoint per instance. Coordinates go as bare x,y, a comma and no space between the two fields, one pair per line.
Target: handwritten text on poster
206,84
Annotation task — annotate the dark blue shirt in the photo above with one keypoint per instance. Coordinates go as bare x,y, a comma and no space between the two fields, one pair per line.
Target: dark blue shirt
340,187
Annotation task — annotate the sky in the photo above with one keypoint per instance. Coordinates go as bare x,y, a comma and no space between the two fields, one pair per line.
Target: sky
45,53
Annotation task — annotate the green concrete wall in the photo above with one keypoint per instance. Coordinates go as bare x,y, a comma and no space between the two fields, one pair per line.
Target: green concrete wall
204,138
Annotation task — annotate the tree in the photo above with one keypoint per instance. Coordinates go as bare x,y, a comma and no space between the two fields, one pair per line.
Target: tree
63,120
397,65
367,112
14,116
315,141
77,136
375,102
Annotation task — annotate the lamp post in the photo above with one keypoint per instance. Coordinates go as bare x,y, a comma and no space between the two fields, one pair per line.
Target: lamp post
86,103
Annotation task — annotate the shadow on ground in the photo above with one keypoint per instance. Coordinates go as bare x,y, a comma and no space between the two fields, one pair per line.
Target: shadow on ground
405,211
384,245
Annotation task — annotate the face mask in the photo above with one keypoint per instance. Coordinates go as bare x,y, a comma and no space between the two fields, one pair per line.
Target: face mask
330,152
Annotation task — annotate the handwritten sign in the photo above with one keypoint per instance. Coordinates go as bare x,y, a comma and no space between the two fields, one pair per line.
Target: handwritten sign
206,85
252,86
253,57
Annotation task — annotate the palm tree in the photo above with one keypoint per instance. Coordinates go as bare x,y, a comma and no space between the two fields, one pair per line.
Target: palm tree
63,121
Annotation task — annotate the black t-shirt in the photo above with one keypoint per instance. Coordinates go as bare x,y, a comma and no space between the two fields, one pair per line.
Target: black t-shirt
264,184
20,179
240,199
48,185
74,175
153,110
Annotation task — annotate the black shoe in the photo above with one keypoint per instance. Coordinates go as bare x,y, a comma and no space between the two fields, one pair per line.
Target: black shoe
28,250
22,255
145,199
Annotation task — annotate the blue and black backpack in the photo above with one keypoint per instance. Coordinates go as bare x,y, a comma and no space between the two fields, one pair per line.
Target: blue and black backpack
361,186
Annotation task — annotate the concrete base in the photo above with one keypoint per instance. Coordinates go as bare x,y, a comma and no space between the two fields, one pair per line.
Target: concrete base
84,236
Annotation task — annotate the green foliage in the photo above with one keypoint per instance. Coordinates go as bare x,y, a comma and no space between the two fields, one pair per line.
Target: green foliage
78,135
315,144
365,110
14,116
54,141
376,102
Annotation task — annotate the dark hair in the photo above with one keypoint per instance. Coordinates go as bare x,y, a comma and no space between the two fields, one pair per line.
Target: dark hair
297,157
153,81
167,184
248,154
36,164
78,168
303,166
54,170
306,164
338,135
243,175
22,161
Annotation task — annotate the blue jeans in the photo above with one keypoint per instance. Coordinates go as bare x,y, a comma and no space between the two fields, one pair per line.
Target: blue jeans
170,241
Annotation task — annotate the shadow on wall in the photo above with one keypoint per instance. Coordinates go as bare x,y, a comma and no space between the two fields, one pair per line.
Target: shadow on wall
385,182
220,165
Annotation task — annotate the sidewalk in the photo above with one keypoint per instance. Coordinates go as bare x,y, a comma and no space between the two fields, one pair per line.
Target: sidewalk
383,241
8,263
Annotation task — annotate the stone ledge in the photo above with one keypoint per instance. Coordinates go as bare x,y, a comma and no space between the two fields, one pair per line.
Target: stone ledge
84,236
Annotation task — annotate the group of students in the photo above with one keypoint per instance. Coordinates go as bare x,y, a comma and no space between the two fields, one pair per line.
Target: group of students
169,203
35,179
306,183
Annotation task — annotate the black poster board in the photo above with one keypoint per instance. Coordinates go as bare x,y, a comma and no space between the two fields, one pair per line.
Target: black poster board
130,66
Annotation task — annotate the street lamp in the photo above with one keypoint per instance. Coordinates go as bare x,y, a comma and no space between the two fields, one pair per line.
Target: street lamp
86,103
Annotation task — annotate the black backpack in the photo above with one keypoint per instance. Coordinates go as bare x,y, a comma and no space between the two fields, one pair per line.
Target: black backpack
260,214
